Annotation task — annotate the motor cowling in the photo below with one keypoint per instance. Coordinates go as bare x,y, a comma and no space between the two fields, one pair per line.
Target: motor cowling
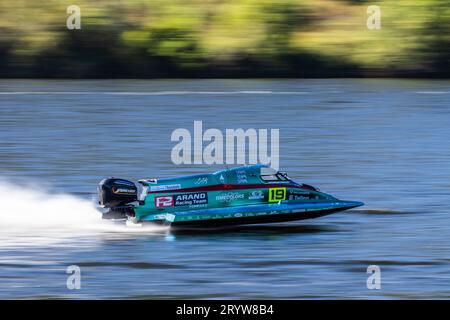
114,192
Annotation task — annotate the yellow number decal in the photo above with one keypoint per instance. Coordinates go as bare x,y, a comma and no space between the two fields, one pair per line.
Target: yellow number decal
277,194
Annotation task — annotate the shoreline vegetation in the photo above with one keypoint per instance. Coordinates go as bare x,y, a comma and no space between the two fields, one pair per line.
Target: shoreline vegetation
142,39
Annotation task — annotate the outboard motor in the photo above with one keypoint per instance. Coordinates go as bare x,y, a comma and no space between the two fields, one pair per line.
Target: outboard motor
116,194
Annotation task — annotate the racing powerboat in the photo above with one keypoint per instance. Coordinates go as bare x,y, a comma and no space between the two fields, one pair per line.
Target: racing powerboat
243,195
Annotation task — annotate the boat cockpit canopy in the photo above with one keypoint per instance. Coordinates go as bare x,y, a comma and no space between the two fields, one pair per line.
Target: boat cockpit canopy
270,175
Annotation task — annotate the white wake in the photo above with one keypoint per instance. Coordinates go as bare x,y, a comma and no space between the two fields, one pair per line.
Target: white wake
31,212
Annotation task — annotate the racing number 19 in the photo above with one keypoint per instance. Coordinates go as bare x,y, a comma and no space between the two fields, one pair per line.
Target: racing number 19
277,194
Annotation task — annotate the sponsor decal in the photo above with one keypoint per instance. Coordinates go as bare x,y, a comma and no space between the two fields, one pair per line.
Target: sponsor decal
164,201
152,181
300,195
230,196
165,187
256,195
123,190
241,177
190,199
197,199
170,217
222,179
277,194
197,206
298,191
201,180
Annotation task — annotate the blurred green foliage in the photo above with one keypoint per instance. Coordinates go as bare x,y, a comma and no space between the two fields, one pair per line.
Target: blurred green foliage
224,38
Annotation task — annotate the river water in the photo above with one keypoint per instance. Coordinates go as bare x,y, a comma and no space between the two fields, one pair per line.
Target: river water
383,142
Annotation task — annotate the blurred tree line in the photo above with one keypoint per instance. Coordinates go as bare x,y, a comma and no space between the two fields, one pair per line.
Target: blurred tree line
224,38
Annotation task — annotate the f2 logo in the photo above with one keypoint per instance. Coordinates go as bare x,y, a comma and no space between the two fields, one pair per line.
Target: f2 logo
162,202
277,194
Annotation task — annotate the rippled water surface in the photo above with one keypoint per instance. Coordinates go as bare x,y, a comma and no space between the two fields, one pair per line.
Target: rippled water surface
384,142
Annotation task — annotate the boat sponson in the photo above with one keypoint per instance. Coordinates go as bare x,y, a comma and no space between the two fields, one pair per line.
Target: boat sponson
279,212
